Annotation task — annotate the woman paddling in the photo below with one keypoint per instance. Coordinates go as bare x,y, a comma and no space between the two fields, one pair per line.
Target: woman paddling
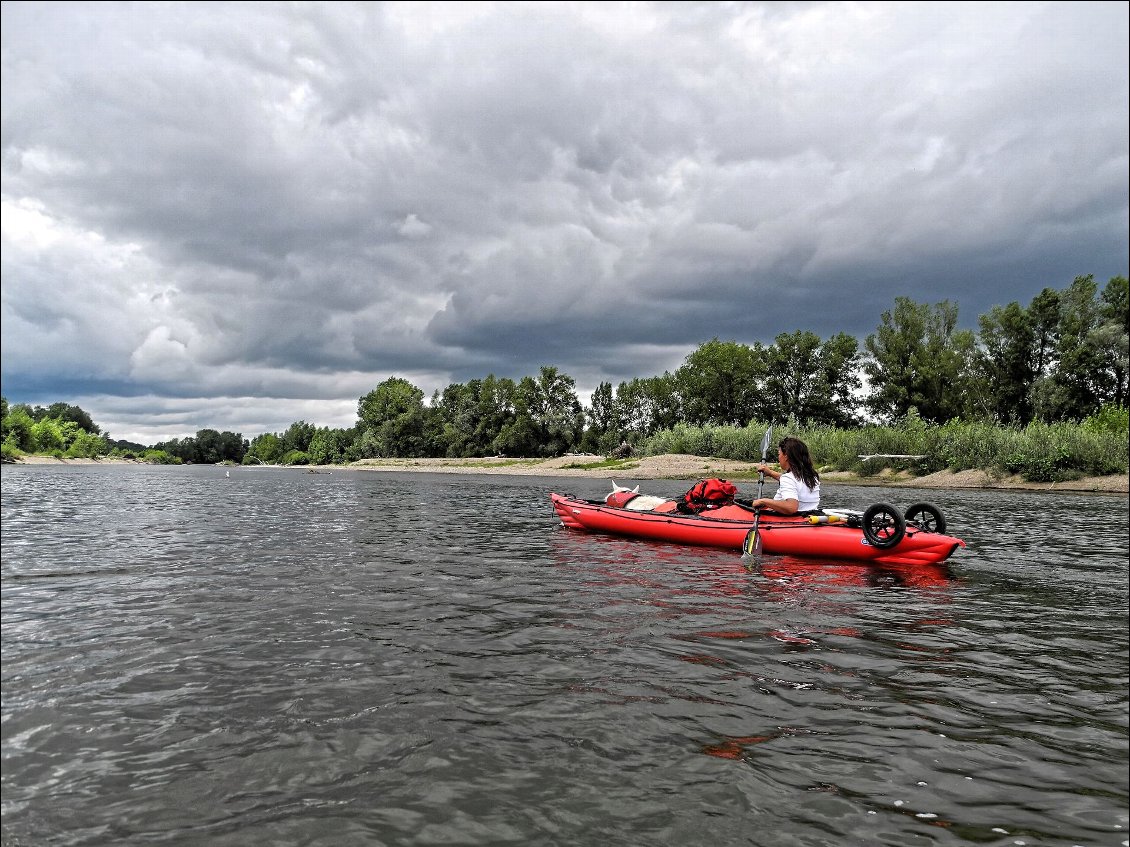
799,483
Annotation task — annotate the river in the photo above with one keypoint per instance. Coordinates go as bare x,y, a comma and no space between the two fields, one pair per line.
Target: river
201,656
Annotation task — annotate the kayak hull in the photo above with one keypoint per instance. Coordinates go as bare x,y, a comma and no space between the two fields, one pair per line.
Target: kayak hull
729,525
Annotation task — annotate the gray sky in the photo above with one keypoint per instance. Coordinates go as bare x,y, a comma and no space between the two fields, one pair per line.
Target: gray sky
240,215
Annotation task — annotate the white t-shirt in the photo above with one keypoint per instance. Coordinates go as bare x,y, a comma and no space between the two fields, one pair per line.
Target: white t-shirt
795,489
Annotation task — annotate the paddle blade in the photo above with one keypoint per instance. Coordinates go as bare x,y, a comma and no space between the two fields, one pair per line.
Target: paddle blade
752,544
765,442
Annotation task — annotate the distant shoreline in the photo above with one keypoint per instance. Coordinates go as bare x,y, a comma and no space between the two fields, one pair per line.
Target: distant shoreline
671,466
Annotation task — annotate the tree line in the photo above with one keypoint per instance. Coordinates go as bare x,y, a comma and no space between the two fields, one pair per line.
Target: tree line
1062,357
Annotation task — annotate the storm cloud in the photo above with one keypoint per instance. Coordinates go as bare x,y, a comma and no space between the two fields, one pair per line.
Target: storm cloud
240,215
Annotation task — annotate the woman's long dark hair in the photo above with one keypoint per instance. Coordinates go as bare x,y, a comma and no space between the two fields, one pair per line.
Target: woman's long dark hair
800,463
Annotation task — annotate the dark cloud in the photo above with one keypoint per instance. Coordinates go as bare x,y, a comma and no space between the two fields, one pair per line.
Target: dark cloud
244,215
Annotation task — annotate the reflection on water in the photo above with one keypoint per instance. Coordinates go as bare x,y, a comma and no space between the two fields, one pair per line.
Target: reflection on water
274,657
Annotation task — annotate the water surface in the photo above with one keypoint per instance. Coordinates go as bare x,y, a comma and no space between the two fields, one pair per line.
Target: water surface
279,657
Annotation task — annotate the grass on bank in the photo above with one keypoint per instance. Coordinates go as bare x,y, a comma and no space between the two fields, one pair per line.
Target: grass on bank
604,465
1038,452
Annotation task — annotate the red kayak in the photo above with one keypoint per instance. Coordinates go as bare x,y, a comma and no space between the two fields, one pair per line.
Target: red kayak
880,534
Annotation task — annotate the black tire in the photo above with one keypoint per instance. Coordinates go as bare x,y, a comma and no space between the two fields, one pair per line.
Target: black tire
883,526
927,517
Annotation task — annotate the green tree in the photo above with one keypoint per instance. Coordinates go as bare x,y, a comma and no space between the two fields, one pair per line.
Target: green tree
549,417
1115,331
265,449
392,416
496,409
605,429
1044,314
323,448
602,414
720,384
1116,302
519,437
1078,372
233,446
178,448
891,351
647,406
50,436
839,367
433,433
65,412
1090,352
918,359
1007,360
810,380
208,448
298,436
88,445
330,446
466,419
18,430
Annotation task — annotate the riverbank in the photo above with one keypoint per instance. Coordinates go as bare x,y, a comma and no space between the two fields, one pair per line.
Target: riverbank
676,466
683,466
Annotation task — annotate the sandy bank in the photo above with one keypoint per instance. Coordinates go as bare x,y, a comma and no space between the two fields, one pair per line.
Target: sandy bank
678,466
682,466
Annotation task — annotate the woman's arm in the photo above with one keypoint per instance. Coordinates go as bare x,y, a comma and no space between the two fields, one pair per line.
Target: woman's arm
787,501
782,507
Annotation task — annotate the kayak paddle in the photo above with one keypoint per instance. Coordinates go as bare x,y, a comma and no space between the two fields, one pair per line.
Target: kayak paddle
752,544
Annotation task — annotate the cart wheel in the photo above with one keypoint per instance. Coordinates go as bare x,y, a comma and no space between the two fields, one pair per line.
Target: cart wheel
883,526
927,517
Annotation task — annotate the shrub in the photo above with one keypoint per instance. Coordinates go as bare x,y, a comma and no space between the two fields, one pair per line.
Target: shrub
1039,452
1110,418
296,457
160,457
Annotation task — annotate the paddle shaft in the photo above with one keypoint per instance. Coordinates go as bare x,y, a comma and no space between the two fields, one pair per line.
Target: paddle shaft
760,485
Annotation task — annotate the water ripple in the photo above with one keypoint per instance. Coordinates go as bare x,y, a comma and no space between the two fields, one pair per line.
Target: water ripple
285,658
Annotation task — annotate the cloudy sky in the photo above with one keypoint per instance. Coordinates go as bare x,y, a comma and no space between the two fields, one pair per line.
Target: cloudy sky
241,215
